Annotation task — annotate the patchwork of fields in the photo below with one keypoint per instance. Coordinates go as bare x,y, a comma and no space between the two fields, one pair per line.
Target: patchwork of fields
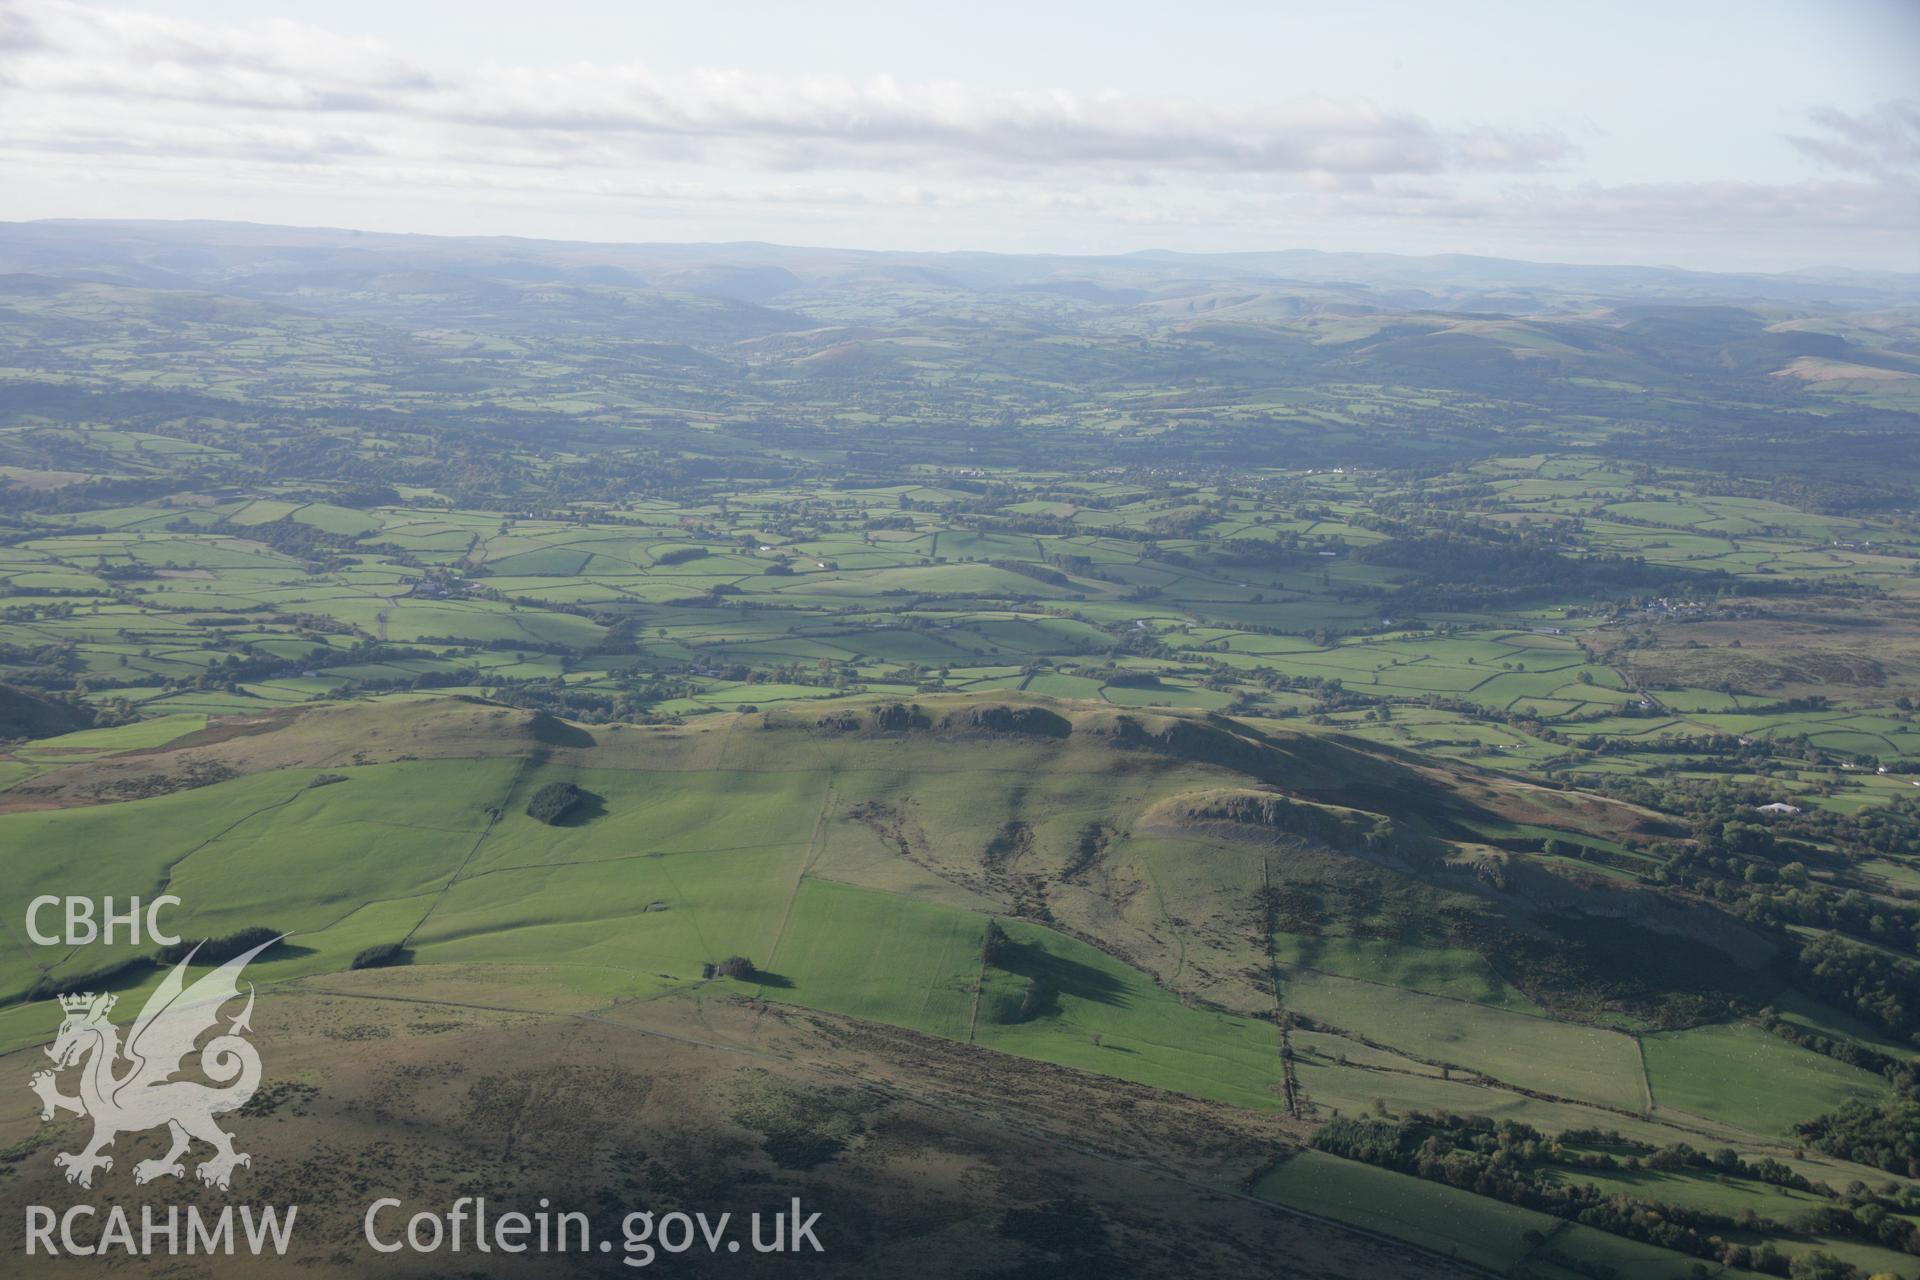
674,609
1067,750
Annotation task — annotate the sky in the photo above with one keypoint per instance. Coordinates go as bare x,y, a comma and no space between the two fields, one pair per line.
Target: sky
1714,134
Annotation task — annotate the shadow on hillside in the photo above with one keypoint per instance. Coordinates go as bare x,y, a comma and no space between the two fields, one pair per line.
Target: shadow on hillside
1063,977
126,974
550,730
212,953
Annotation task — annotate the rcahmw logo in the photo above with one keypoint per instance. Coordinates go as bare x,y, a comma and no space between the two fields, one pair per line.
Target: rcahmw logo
172,1231
144,1094
130,1086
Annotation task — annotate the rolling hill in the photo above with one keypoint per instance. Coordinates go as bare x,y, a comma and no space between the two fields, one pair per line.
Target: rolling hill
1283,925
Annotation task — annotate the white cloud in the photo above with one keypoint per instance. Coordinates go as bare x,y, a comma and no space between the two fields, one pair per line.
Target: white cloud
115,112
156,76
1883,142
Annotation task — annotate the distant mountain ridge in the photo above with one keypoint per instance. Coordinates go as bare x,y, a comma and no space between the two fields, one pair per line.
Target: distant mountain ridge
228,254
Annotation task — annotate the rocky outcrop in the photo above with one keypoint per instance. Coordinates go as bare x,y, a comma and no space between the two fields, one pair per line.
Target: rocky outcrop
1243,814
1199,742
897,717
1030,721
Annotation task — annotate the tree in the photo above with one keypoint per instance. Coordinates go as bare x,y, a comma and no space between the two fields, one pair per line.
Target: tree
381,955
1038,1000
551,802
1821,1266
739,968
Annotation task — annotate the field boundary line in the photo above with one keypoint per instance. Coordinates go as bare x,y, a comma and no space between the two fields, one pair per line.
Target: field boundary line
808,858
1295,1097
979,987
493,820
1646,1075
619,858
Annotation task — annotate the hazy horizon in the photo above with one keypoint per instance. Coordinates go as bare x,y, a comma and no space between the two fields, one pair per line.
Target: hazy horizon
1724,137
1144,250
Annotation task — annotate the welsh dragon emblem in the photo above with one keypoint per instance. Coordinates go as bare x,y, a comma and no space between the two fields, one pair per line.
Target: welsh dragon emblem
129,1088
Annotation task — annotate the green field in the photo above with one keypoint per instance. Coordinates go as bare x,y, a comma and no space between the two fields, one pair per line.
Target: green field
1458,1224
1746,1077
1246,695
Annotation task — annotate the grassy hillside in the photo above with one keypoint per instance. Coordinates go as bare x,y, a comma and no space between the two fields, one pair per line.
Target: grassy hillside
1156,899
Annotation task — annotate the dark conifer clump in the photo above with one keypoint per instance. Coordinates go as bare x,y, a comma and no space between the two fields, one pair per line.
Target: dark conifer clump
551,802
381,956
1039,1000
738,968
